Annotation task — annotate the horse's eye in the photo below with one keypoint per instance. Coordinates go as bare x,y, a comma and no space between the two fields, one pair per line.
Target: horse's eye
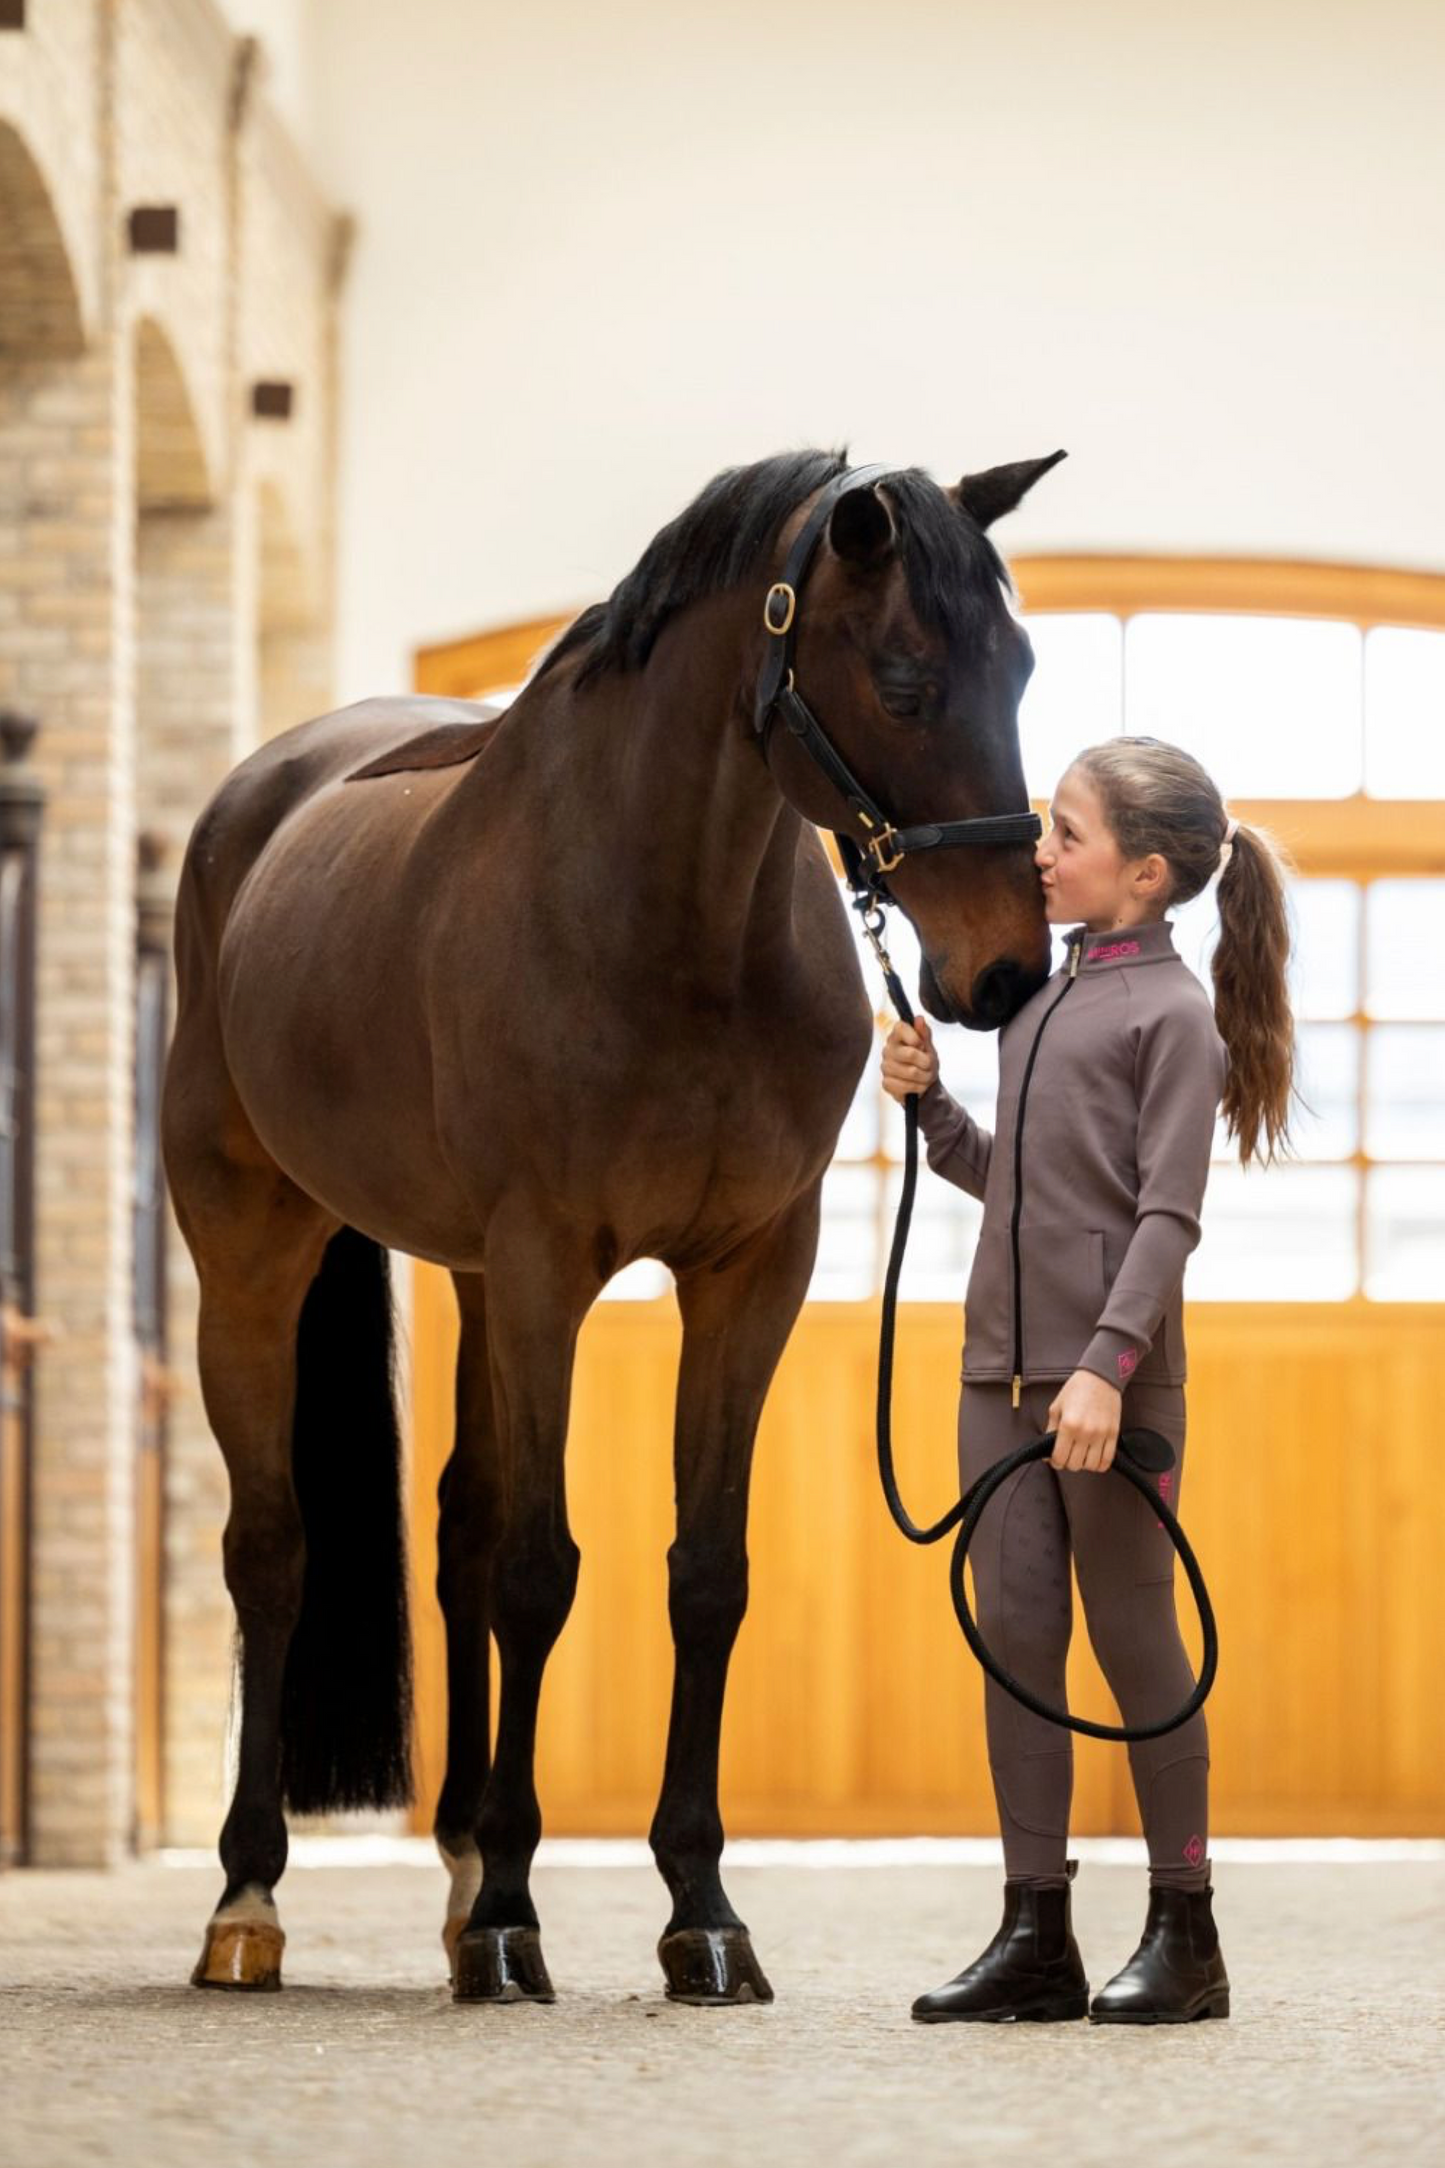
903,700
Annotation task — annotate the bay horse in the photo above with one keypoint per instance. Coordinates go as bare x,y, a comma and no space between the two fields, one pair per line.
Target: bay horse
531,996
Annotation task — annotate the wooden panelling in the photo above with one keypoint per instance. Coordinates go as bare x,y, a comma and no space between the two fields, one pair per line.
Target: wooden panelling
1310,1493
1275,587
486,661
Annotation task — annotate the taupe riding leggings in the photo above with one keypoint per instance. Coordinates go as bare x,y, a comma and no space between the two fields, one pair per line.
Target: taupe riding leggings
1024,1605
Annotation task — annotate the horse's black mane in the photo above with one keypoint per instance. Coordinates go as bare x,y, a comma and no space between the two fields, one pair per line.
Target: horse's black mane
951,567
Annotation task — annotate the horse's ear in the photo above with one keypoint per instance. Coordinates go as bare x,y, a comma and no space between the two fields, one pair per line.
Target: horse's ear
860,528
988,496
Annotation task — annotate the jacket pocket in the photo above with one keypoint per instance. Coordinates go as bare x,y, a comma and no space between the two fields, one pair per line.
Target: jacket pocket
1064,1293
988,1303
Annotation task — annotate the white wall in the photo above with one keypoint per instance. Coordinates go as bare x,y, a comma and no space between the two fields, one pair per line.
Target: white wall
607,250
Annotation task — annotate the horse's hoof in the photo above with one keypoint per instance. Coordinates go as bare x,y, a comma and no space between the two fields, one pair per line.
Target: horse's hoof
712,1965
243,1954
500,1964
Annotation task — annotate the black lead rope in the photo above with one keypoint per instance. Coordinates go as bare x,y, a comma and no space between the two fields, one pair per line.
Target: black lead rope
1140,1454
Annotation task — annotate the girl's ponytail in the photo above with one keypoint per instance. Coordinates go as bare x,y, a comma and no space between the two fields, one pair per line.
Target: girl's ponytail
1251,995
1158,798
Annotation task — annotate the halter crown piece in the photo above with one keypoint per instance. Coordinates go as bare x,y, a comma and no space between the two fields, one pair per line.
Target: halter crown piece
868,859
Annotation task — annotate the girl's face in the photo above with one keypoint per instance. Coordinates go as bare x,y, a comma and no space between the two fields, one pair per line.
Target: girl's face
1083,875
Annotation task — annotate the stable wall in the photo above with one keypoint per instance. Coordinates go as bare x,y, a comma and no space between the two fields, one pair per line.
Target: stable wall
604,252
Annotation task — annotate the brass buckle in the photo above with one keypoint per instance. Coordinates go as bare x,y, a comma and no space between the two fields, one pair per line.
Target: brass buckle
791,601
877,849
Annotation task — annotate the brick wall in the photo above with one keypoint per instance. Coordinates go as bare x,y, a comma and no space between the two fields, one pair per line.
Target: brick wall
139,627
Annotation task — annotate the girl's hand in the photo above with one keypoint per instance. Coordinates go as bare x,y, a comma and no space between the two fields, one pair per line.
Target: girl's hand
1085,1414
910,1063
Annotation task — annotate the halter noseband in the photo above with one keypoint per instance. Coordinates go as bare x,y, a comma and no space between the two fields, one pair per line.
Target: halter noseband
883,847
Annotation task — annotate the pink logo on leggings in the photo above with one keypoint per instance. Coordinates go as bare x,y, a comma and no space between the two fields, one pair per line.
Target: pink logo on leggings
1128,1363
1166,1484
1194,1851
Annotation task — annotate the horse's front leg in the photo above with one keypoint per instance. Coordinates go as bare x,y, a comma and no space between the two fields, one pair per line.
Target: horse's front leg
470,1497
536,1300
735,1327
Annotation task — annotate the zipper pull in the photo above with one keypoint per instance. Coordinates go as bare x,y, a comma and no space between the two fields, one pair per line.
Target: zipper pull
1074,955
1018,1388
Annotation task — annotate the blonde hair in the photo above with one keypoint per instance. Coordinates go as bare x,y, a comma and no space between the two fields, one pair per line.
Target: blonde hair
1155,797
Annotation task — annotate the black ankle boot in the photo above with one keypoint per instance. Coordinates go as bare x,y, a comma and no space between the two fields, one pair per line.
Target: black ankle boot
1176,1974
1031,1970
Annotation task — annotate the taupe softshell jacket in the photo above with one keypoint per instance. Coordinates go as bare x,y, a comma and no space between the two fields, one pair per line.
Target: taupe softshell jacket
1109,1078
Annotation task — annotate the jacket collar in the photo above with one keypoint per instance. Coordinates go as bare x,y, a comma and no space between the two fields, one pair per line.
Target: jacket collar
1151,943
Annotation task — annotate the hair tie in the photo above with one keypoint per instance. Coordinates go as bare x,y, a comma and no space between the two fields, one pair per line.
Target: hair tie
1230,831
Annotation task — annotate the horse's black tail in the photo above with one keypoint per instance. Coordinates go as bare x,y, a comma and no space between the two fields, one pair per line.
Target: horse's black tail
346,1705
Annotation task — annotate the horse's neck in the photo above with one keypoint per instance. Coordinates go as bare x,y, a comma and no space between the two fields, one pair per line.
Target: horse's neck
707,844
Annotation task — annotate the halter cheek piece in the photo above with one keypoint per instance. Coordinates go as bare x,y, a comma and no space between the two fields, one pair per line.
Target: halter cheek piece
870,859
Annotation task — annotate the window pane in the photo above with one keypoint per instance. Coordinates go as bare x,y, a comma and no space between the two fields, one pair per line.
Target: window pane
847,1269
941,1239
1196,930
1075,696
1286,1234
1405,713
1324,975
1271,706
1403,972
1405,1092
1329,1082
1405,1234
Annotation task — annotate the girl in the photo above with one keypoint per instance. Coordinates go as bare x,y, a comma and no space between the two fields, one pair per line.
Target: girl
1109,1079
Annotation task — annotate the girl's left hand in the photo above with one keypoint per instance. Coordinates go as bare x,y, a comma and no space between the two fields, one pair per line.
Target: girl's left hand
1085,1414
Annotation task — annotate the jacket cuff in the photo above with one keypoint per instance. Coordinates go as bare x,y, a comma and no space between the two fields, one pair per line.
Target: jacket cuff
936,1109
1113,1356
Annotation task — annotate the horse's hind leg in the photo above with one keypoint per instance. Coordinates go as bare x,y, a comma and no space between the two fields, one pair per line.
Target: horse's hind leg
471,1508
735,1326
257,1241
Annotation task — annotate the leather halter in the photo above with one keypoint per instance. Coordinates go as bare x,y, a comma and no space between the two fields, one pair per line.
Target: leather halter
883,846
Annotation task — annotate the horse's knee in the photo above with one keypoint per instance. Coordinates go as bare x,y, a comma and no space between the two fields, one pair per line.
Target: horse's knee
707,1597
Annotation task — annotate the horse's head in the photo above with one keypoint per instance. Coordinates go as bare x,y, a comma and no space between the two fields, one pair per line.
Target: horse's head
908,651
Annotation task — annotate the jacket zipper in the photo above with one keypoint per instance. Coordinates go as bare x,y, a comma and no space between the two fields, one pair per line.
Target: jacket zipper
1018,1377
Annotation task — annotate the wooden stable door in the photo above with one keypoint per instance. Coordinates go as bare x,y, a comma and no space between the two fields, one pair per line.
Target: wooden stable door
854,1706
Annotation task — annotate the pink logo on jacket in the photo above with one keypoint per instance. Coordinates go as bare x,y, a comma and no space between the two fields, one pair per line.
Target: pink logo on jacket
1128,1363
1107,951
